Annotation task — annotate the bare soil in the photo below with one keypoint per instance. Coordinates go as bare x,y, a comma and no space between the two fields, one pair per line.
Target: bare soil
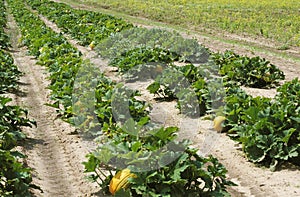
56,155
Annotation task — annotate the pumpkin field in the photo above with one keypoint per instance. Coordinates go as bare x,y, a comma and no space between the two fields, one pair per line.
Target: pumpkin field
148,98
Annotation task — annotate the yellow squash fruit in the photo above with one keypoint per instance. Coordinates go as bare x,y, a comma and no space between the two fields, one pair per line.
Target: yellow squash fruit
92,45
218,123
120,180
159,69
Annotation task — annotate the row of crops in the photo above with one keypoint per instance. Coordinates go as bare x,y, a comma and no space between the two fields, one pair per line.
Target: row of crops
4,39
206,83
267,128
63,62
15,178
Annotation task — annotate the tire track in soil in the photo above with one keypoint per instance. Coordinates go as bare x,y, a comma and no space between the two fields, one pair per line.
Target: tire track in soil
53,153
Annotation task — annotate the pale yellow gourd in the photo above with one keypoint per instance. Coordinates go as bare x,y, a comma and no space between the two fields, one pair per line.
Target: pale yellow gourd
92,45
120,180
218,123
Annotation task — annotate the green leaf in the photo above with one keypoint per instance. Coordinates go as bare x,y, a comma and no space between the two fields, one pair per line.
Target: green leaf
123,193
91,164
177,173
255,154
288,133
154,87
104,156
136,146
164,134
297,119
131,127
143,121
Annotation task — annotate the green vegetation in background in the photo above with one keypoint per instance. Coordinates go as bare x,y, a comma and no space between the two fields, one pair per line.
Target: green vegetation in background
276,20
268,129
136,45
85,26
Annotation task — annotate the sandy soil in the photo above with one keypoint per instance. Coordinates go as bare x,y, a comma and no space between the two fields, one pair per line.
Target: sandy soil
53,152
56,155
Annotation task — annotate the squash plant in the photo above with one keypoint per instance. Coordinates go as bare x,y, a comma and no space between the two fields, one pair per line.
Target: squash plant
254,72
162,166
4,38
141,55
105,103
9,73
268,129
85,26
132,40
15,178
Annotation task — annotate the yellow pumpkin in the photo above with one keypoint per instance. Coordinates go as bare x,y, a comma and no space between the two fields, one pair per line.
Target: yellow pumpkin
92,45
120,180
159,69
218,123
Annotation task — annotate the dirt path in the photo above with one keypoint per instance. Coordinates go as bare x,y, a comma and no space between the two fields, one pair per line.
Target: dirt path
54,154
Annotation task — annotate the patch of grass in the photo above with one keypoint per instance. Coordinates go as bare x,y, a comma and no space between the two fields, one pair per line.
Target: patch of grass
274,19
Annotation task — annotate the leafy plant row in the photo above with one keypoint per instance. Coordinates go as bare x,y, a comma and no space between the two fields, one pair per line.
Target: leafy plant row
126,144
63,61
254,72
268,129
142,54
134,50
9,73
265,140
270,147
15,178
4,38
139,46
85,26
